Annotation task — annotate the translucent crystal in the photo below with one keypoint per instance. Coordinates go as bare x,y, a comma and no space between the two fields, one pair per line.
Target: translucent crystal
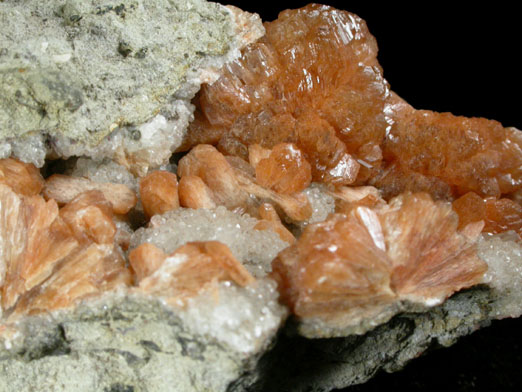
23,178
503,254
254,248
499,215
313,80
353,265
159,192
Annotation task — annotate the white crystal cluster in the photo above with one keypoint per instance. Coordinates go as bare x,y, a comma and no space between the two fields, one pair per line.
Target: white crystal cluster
104,171
503,254
322,204
254,248
243,318
31,149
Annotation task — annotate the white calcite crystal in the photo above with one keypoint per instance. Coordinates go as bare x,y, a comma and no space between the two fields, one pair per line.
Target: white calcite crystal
243,318
104,171
322,204
503,254
254,248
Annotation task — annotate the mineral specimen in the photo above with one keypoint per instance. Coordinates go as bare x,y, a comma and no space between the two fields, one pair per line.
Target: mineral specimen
313,80
64,189
304,190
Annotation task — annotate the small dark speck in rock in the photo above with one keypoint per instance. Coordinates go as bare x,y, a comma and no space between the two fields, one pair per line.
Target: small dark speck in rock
124,48
140,54
75,18
134,134
150,345
3,52
120,388
120,10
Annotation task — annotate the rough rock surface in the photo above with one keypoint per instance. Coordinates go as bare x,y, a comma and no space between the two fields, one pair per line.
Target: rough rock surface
72,73
141,344
145,346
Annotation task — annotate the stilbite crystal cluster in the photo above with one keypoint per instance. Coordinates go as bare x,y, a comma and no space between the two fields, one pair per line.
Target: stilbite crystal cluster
303,188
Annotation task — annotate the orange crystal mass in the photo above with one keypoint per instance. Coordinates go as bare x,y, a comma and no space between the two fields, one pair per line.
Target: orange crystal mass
23,178
159,192
313,80
285,170
498,214
470,154
191,268
409,249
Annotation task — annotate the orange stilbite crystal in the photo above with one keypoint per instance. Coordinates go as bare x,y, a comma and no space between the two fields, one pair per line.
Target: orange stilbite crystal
24,178
230,186
410,249
205,162
90,218
498,214
470,154
271,221
33,240
194,193
64,189
285,170
90,271
191,268
159,192
52,258
313,80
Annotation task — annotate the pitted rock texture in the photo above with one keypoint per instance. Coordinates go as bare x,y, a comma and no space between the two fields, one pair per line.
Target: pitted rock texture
73,72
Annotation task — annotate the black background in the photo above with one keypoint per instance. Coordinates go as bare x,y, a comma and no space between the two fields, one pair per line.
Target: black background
465,61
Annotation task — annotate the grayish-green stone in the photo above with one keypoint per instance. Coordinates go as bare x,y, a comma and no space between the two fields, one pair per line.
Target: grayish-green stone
72,72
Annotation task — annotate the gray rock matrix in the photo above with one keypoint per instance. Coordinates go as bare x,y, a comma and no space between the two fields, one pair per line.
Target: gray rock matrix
84,77
137,345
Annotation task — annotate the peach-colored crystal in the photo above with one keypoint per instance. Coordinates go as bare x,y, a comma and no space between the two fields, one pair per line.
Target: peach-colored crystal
469,154
159,192
393,180
194,193
271,221
430,258
90,271
410,249
498,214
205,162
64,189
313,80
146,259
24,178
33,239
50,258
230,183
256,153
191,268
285,170
349,198
90,218
336,264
